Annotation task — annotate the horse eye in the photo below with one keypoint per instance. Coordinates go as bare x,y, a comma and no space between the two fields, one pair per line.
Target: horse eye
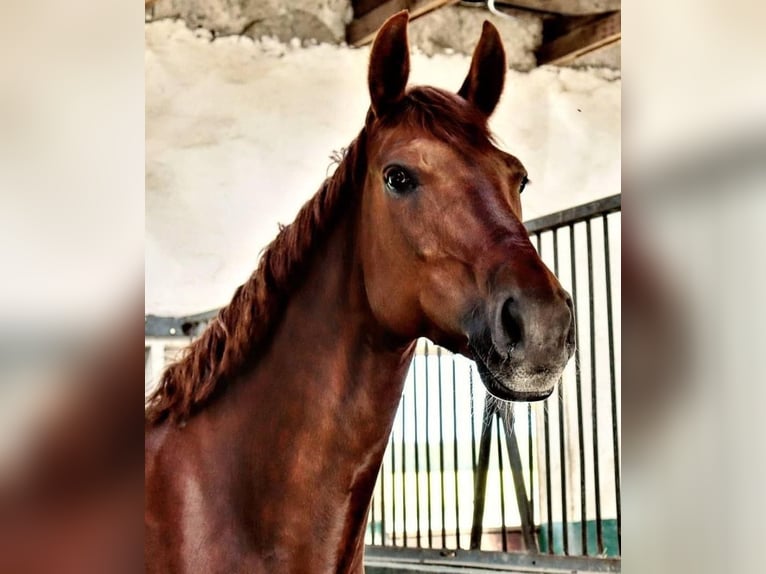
523,185
398,180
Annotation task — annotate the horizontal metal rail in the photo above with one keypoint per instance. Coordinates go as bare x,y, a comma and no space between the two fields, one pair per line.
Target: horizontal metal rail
492,561
184,326
577,214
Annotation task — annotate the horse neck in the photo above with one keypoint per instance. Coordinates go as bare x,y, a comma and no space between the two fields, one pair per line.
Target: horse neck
319,406
330,351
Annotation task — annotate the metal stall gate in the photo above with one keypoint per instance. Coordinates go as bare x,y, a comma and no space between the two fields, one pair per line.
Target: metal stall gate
470,482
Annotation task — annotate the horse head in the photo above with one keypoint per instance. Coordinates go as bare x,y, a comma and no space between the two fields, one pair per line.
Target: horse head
444,252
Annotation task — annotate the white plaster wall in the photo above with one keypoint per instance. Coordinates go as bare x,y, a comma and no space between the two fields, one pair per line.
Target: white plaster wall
239,134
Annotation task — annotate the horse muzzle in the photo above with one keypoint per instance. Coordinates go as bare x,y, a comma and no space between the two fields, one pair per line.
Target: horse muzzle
523,347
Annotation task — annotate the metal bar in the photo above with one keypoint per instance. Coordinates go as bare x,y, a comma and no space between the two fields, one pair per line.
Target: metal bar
436,560
473,421
473,429
613,383
531,461
382,474
183,326
581,435
372,520
480,486
517,472
454,454
562,462
502,484
562,441
546,445
417,449
393,489
428,456
404,472
548,486
441,449
593,391
575,214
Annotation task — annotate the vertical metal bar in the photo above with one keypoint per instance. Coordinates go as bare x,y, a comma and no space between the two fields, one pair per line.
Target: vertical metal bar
548,487
473,422
404,472
454,454
428,455
563,471
517,472
581,435
372,520
593,391
502,484
482,468
417,449
473,431
383,503
393,488
613,383
547,447
441,450
562,441
530,456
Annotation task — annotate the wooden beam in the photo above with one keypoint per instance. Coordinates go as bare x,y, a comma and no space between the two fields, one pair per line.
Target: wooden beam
362,30
596,33
362,7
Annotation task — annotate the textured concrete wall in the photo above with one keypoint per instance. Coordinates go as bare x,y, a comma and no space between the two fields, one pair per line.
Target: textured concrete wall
457,28
320,20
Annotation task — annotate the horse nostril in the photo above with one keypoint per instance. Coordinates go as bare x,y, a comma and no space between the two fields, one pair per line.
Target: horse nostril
511,321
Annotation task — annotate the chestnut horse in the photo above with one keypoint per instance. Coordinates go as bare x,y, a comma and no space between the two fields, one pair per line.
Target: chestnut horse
263,443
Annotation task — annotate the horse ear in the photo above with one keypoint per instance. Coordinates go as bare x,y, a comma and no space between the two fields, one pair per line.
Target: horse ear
389,63
484,82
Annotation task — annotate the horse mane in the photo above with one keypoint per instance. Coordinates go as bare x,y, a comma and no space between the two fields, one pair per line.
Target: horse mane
243,326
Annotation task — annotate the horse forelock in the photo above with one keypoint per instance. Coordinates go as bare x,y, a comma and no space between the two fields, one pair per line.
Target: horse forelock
244,326
443,115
